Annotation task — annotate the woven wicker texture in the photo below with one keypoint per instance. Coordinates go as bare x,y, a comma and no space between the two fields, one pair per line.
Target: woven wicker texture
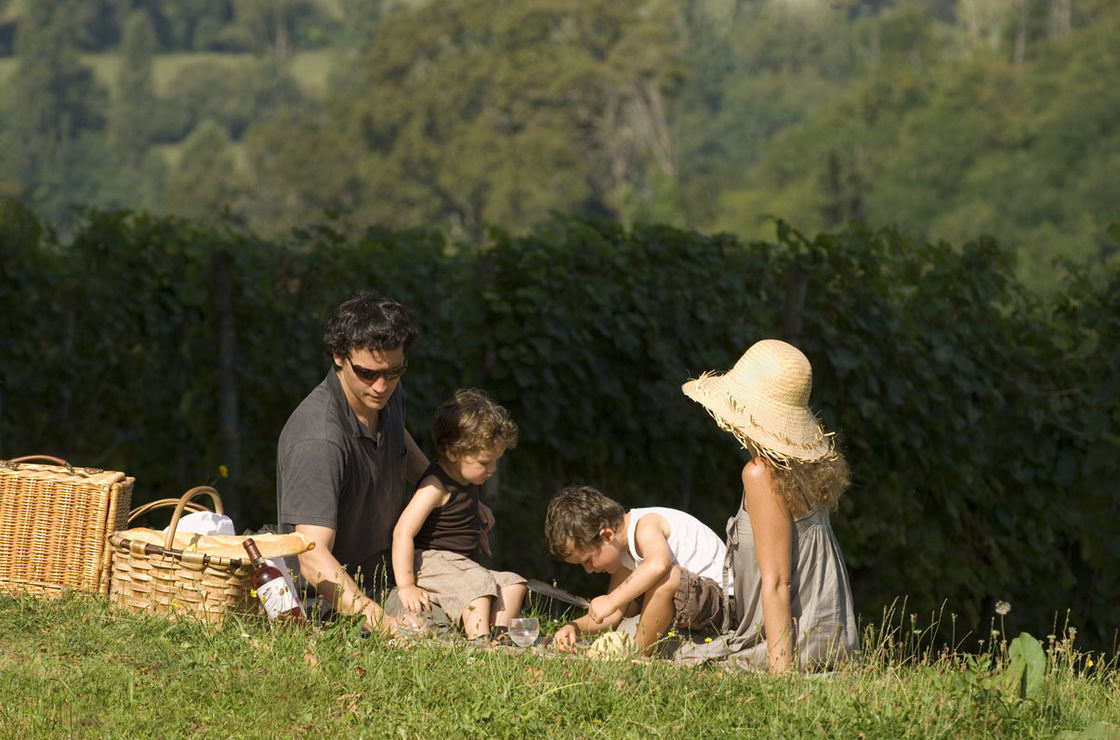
53,522
188,576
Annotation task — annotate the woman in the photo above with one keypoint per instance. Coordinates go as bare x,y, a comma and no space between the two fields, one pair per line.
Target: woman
791,598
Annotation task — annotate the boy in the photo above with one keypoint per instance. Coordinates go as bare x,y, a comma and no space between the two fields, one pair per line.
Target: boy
664,559
441,531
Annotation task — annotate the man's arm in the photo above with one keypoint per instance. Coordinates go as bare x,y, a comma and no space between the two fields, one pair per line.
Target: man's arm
320,568
416,462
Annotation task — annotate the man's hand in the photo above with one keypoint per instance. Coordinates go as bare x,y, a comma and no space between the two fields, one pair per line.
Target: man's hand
413,598
601,608
378,621
565,637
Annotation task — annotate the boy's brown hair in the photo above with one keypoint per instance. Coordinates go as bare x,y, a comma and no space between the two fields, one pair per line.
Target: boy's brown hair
576,515
471,423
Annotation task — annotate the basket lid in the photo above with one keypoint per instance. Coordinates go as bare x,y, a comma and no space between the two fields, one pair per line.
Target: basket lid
221,545
39,471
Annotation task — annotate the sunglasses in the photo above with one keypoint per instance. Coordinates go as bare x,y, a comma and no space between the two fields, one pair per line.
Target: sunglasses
366,375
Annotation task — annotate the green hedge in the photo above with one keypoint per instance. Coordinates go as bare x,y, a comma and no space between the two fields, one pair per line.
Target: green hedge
981,422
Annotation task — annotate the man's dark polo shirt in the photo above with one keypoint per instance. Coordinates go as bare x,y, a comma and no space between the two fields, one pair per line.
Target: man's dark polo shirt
331,471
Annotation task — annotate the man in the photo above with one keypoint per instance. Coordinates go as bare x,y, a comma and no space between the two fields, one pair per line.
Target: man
344,456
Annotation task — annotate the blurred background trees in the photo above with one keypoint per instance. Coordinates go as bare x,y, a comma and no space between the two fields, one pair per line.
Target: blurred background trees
947,118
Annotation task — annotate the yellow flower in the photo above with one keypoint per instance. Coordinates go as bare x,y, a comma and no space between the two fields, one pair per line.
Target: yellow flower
223,471
253,592
1089,663
707,639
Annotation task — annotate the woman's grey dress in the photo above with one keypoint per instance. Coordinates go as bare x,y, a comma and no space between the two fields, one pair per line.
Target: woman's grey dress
820,599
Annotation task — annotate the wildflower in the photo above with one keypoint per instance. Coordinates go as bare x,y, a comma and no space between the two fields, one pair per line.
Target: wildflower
223,471
1002,608
1088,662
708,639
253,592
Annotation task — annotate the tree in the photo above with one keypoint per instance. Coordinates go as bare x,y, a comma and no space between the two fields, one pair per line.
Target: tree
476,113
300,167
130,120
55,109
205,184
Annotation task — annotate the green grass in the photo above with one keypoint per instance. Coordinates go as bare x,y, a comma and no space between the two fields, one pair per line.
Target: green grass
74,667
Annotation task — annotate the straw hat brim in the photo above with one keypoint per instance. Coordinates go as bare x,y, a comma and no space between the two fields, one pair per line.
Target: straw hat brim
778,430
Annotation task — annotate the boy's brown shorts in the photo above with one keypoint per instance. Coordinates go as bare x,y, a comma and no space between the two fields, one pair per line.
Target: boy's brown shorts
454,581
698,603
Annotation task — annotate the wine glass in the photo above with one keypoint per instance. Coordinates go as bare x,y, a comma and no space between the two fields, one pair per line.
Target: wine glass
412,625
524,630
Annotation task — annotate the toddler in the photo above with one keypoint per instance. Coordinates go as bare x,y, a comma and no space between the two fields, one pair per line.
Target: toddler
443,528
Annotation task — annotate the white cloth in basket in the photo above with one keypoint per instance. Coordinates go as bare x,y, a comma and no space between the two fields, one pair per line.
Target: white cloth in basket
207,522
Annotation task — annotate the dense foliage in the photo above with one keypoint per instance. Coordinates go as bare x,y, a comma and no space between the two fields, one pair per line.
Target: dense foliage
980,421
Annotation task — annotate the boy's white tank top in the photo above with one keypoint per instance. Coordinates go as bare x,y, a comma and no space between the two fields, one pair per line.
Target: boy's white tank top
693,544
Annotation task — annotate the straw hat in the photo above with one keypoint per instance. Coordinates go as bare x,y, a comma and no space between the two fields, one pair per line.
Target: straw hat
764,402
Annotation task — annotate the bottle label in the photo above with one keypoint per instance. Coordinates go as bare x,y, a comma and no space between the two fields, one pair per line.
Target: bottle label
277,598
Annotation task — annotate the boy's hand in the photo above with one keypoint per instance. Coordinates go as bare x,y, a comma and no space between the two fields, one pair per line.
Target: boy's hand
565,637
600,608
486,516
414,598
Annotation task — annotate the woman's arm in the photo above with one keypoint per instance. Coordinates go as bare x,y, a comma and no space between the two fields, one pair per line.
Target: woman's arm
773,546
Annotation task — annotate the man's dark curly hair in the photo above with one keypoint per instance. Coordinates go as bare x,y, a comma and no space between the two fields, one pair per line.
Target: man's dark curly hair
370,322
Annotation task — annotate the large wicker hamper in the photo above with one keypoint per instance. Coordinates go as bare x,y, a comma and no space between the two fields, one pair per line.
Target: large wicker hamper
53,521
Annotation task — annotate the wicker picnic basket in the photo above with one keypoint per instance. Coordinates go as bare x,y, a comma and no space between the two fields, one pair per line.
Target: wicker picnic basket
53,522
181,574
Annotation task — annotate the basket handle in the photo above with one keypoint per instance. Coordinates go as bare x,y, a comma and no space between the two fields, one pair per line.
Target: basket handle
163,503
194,492
15,461
181,503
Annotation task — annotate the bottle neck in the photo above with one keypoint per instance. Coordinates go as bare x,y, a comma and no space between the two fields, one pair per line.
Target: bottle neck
251,549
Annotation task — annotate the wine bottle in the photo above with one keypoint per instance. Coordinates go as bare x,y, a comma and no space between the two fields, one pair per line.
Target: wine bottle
280,604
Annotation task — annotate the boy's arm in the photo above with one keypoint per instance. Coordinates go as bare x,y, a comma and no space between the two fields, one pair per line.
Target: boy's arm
651,541
428,496
565,637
